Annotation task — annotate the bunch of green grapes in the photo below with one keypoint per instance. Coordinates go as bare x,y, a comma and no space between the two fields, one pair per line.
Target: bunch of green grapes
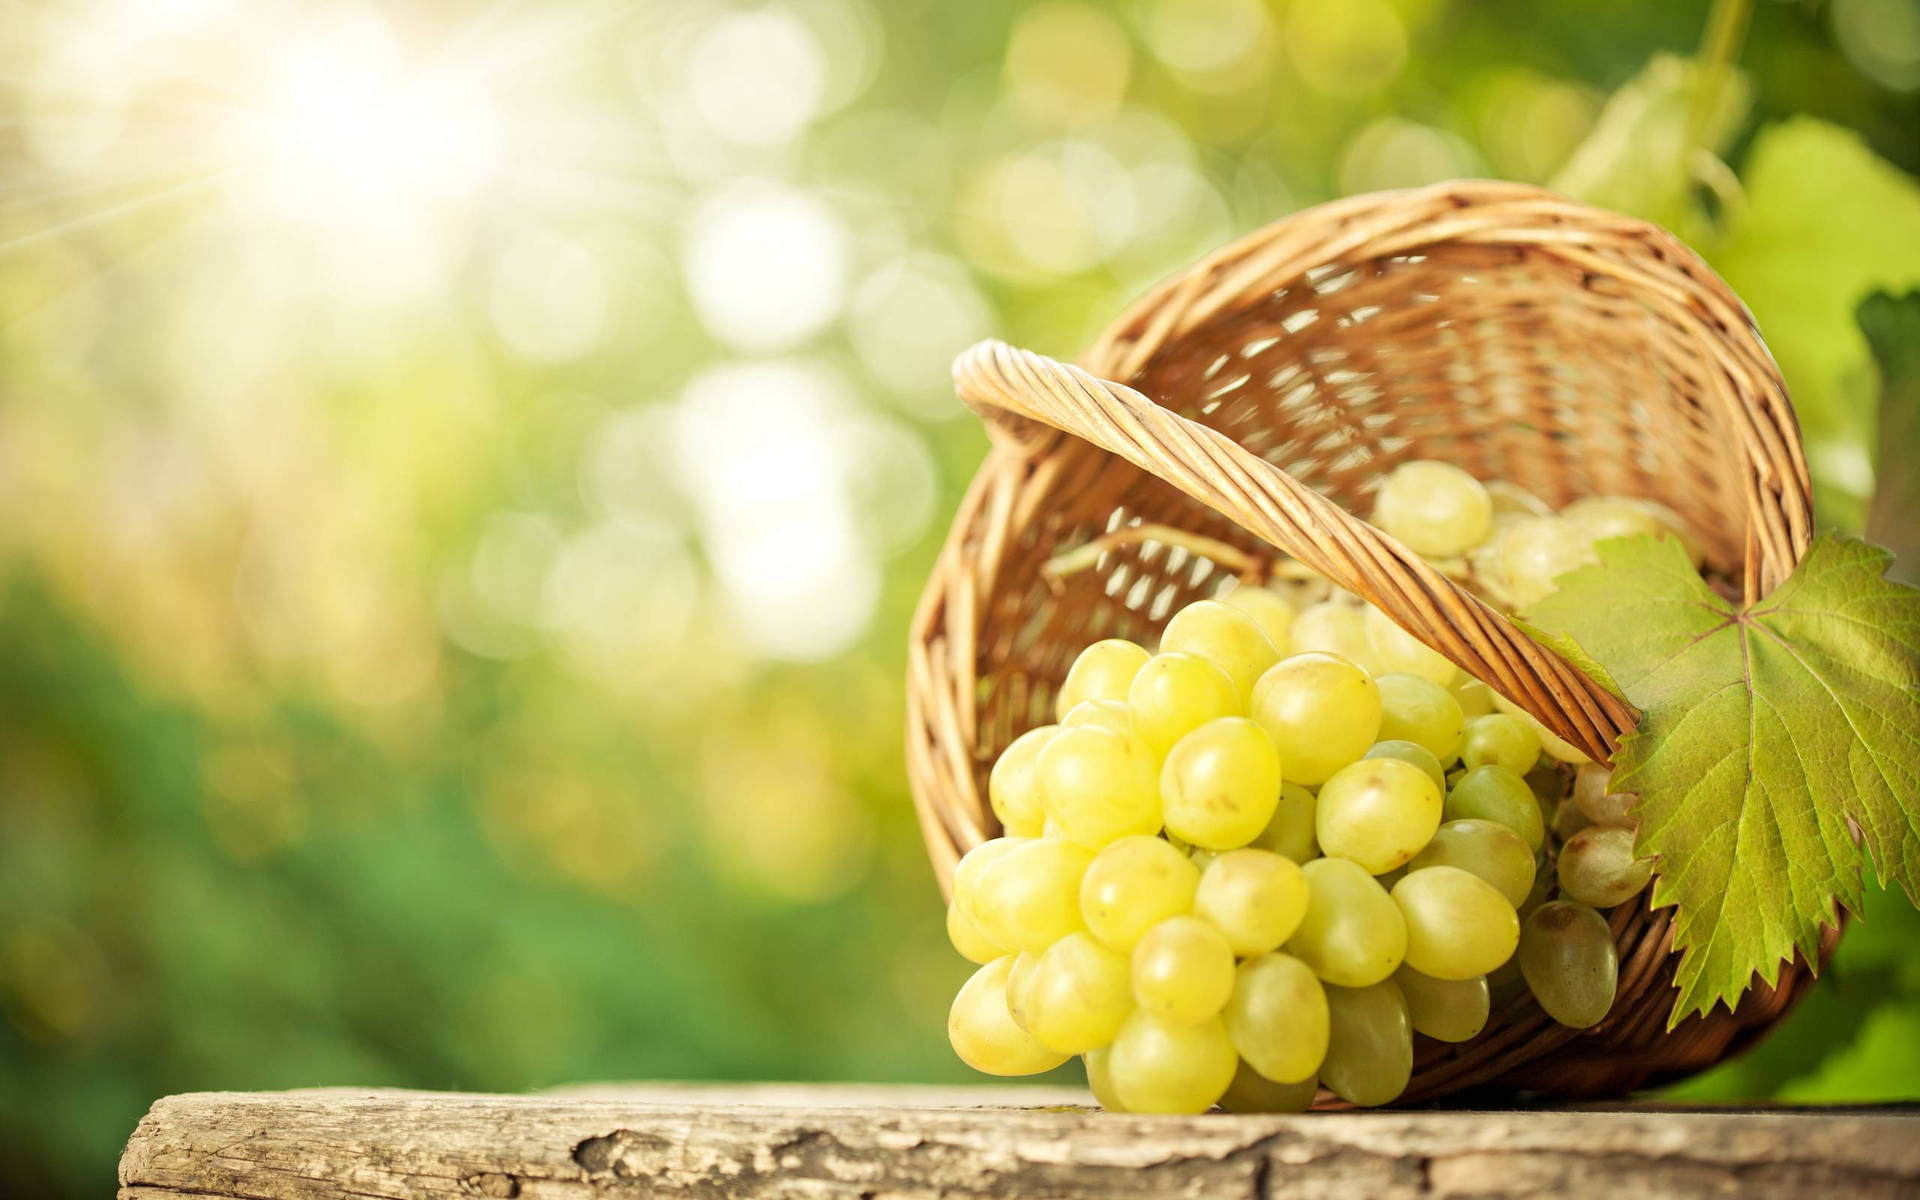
1261,858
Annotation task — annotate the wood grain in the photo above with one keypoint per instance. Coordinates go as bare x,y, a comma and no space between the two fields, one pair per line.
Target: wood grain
865,1143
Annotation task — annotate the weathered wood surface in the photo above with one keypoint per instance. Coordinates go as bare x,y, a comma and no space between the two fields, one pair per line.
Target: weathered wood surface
866,1143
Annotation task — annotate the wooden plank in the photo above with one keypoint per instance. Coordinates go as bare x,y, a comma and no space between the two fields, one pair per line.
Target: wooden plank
865,1143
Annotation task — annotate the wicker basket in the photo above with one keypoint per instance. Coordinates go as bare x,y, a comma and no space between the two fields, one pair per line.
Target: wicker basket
1513,332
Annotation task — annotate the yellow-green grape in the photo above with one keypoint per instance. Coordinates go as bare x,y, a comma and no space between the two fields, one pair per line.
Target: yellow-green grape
1077,996
983,1033
1220,783
1396,650
1475,698
1202,857
1018,976
1601,517
1543,877
1592,792
1321,711
1160,1066
1099,1081
1255,897
1551,743
1224,636
1175,694
1352,933
1598,867
1435,508
1133,885
1277,1017
973,864
1568,959
1497,794
1289,831
1536,551
1488,849
1102,672
1378,812
1011,786
1414,753
1369,1044
1271,611
1419,710
1512,498
1337,627
973,945
1098,785
1110,715
1183,970
1446,1010
1568,820
1252,1092
1500,740
1029,898
1458,924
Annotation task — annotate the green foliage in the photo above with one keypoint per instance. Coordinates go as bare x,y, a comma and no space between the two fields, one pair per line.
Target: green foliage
1779,751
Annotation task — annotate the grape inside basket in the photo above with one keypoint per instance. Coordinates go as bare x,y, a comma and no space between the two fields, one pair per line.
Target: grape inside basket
1258,398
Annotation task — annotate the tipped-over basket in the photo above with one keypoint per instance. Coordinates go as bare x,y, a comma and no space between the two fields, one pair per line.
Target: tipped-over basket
1258,397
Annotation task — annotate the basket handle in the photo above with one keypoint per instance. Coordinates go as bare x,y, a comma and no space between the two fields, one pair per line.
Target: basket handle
1011,388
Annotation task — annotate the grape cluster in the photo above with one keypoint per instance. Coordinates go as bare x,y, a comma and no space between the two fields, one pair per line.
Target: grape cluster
1261,858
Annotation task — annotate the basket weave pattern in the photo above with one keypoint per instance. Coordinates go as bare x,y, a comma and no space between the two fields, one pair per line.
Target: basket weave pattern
1266,391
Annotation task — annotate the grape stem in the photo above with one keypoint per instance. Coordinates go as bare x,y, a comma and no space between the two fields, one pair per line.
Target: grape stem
1247,566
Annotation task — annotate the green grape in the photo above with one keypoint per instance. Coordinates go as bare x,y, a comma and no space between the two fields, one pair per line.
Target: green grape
1099,1081
1378,812
1252,1092
1536,551
1446,1010
1458,924
1277,1017
1497,794
1225,637
1542,887
1488,849
1220,783
1175,694
973,945
1551,743
1290,830
1018,976
1110,715
1568,959
1568,820
1369,1044
1321,711
1475,698
1160,1066
1133,885
1202,857
1414,753
1102,672
973,864
1592,792
1601,517
1270,611
1512,498
1098,785
1352,933
1502,741
1336,627
1077,996
983,1033
1434,508
1397,651
1255,897
1183,970
1011,787
1598,867
1029,898
1419,710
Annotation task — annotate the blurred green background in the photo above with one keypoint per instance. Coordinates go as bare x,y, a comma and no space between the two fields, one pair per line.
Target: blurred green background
465,470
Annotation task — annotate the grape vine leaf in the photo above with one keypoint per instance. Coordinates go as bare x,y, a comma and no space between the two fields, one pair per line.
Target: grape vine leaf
1778,750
